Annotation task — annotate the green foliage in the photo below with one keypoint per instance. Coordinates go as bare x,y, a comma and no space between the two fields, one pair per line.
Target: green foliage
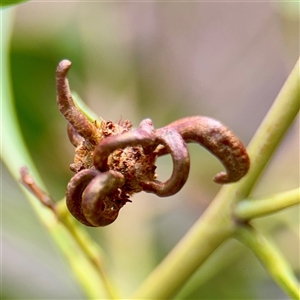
4,3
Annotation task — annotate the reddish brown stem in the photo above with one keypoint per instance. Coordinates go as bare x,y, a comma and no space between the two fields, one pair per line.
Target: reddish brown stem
92,197
75,188
73,135
175,146
100,203
220,141
67,107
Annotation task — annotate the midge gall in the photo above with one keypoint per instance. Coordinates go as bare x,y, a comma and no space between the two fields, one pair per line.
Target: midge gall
113,161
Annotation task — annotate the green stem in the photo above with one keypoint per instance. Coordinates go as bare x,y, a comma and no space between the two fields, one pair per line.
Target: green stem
202,239
14,154
91,249
272,259
258,207
216,224
274,126
87,275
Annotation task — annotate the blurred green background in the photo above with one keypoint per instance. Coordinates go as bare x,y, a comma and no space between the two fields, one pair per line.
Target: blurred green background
149,60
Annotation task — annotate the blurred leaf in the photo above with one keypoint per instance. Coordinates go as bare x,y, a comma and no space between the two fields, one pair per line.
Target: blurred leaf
13,2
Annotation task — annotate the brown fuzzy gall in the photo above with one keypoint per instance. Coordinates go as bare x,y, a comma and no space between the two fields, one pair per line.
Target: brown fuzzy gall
113,161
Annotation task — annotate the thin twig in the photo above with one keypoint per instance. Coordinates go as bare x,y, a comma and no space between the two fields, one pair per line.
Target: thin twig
257,207
30,184
272,259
